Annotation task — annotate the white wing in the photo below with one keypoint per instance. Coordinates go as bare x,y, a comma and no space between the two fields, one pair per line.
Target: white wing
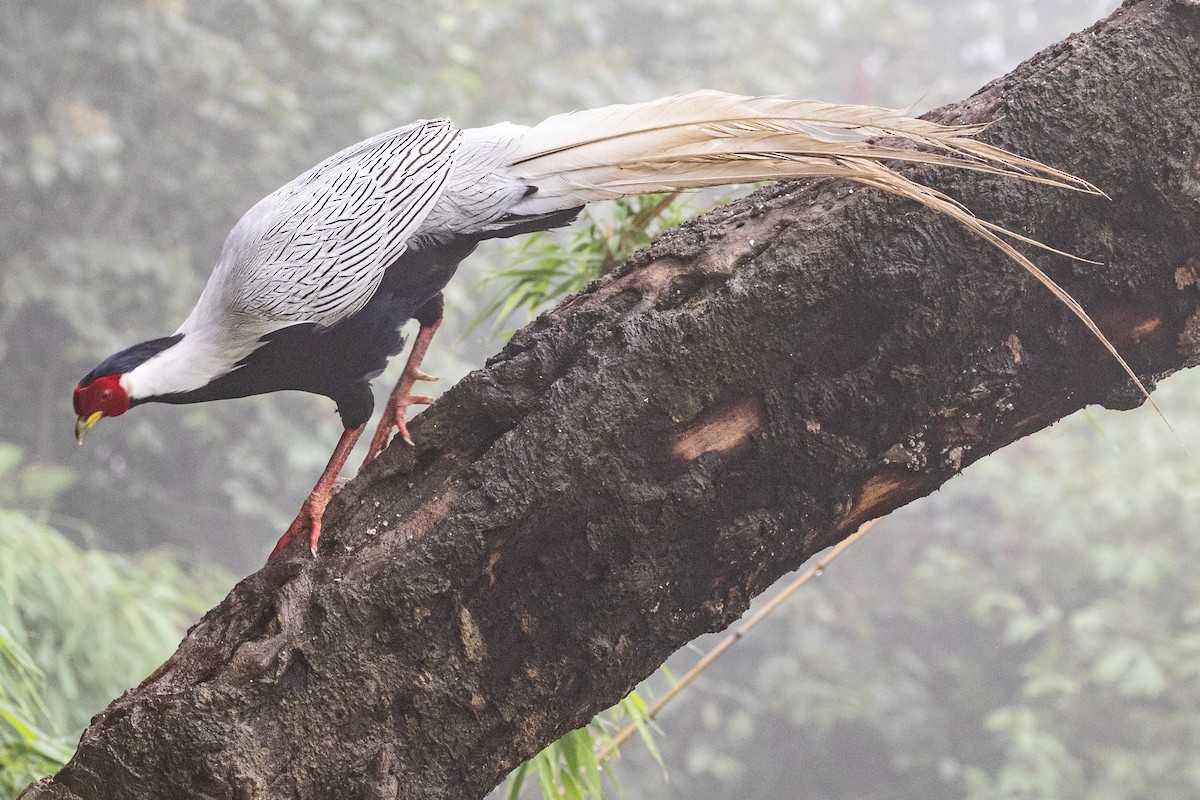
316,249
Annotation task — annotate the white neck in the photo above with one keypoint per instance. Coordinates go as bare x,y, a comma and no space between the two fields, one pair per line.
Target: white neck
193,362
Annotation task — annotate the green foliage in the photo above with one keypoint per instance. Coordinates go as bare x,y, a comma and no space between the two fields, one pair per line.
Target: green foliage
540,271
79,627
544,267
571,767
26,752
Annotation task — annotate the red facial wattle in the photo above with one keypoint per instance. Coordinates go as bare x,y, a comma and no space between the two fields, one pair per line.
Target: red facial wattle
104,395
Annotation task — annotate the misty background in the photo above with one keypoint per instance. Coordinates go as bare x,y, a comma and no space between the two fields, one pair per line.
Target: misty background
1032,631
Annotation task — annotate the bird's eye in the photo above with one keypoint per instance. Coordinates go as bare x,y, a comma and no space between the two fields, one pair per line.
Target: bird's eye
106,394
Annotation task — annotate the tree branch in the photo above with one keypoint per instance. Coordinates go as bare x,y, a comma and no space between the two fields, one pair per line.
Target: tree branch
633,468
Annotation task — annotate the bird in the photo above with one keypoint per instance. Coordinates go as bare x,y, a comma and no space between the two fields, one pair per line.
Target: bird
314,282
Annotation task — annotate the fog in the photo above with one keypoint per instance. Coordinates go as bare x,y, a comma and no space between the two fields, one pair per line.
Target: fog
1029,632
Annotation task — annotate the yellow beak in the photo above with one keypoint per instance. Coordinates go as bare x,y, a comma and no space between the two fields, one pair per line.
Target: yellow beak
84,424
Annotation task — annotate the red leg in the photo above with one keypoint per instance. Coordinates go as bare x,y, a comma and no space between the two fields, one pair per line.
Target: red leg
394,414
314,507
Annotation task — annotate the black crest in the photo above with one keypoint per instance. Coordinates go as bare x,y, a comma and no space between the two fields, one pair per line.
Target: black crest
121,362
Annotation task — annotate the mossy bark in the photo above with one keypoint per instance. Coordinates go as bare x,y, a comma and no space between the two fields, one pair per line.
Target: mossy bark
636,466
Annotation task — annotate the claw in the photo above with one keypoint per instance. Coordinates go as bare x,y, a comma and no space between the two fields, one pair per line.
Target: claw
314,534
309,517
401,419
418,375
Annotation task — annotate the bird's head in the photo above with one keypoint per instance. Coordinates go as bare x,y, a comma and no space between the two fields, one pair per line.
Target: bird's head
119,382
96,398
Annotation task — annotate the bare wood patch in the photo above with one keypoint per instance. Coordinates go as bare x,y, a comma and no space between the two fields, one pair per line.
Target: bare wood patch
720,429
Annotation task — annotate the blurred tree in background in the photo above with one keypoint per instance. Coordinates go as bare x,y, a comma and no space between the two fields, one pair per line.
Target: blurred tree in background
1031,632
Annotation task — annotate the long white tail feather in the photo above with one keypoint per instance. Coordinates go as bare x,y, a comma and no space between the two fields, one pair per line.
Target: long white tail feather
708,138
937,201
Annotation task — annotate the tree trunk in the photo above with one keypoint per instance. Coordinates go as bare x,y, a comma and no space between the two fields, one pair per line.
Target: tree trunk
636,466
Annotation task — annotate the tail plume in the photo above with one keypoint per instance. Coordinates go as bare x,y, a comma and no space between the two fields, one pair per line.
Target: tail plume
707,138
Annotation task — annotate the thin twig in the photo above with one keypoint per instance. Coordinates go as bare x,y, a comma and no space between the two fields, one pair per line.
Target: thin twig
610,748
640,222
647,215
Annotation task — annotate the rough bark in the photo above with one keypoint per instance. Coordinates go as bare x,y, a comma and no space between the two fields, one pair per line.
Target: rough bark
636,466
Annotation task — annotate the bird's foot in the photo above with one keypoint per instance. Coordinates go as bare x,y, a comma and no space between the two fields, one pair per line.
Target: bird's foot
309,517
396,413
401,413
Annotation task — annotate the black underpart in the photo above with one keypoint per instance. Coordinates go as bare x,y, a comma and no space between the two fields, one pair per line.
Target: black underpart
515,225
121,362
430,314
339,361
